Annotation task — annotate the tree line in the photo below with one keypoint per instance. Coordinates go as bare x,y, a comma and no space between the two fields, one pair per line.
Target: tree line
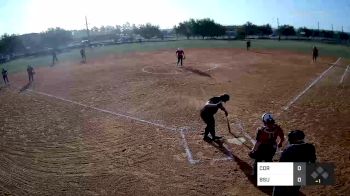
200,28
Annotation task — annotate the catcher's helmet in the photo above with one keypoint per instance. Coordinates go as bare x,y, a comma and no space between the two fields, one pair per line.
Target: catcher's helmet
267,118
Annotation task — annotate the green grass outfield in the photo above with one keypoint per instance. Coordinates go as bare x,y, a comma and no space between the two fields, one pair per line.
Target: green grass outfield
74,55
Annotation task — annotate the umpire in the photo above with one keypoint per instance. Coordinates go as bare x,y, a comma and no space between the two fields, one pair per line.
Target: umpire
297,151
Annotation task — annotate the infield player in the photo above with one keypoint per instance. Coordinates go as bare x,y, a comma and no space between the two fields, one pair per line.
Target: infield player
314,54
4,75
248,44
207,114
30,71
297,151
266,141
54,57
180,56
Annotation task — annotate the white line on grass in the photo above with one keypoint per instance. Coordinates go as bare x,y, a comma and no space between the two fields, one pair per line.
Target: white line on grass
307,88
342,77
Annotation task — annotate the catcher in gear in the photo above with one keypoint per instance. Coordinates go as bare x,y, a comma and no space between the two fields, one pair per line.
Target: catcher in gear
180,56
266,141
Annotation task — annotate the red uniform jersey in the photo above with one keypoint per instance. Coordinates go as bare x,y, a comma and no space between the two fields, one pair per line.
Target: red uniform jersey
267,135
180,53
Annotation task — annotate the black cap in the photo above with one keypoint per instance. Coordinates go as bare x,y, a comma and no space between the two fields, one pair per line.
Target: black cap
295,135
225,97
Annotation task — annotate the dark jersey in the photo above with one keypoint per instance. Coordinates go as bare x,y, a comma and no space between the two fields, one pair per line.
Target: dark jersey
212,106
267,135
302,152
4,72
315,52
180,53
30,70
82,52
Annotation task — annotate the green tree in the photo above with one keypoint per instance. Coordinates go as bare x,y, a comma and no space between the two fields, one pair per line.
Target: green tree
10,44
305,32
327,34
343,36
287,30
264,29
55,37
148,31
185,28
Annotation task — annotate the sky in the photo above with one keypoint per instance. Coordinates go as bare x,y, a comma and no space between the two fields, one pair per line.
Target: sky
28,16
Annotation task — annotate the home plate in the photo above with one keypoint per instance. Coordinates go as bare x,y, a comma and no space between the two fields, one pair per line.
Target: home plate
238,141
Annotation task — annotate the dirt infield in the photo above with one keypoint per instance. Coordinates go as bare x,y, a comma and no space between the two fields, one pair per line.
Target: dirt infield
83,142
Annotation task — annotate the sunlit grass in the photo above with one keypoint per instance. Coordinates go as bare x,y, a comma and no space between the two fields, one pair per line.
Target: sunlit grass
74,55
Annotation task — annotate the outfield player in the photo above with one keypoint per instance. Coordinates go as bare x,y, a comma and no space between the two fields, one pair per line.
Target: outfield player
83,56
297,151
266,141
180,56
207,114
314,54
248,44
4,75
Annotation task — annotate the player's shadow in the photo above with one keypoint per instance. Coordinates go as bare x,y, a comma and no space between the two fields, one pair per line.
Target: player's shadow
25,87
220,146
247,170
259,52
198,72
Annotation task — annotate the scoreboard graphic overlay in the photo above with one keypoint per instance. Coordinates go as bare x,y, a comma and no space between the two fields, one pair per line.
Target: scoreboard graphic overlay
295,174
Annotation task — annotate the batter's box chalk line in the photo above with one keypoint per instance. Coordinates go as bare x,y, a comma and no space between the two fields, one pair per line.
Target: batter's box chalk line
191,160
181,130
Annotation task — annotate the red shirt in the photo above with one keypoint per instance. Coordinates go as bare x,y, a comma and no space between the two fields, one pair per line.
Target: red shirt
180,53
267,135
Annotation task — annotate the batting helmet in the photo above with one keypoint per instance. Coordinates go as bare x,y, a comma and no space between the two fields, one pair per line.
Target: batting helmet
267,118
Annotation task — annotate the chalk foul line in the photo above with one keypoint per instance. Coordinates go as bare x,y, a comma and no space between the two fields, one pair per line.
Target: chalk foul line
105,111
312,84
184,141
343,76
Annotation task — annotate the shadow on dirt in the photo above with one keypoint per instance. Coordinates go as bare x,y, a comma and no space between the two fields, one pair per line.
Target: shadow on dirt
196,71
220,146
25,87
260,52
